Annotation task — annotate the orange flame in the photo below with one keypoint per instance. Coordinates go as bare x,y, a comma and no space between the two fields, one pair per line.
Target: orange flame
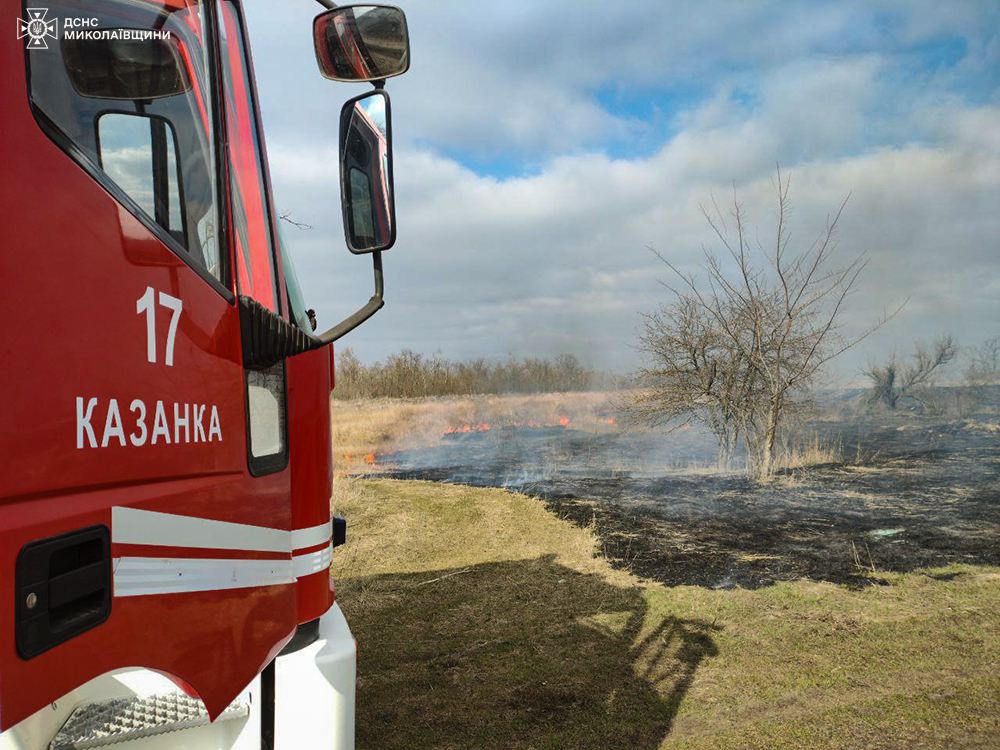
350,458
484,427
530,424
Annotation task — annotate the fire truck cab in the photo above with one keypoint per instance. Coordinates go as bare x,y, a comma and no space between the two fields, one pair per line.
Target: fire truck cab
165,525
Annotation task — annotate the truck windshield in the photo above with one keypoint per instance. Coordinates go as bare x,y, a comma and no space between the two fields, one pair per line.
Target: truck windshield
295,299
251,218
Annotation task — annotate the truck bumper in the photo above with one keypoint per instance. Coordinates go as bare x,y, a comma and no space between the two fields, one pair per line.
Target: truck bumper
314,690
313,707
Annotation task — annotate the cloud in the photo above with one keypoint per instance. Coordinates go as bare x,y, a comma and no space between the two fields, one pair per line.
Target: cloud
553,258
520,78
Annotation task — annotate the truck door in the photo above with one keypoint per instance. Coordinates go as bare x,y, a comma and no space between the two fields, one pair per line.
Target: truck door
251,231
144,515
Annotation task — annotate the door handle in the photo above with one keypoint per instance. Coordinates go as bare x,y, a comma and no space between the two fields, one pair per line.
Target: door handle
63,586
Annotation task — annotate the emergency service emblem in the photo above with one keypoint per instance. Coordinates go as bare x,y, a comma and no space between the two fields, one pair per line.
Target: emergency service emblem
36,28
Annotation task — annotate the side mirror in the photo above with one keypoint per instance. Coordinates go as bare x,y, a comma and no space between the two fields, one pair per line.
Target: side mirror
366,173
362,43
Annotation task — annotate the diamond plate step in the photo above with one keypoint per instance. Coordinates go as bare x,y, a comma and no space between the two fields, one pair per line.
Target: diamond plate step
109,722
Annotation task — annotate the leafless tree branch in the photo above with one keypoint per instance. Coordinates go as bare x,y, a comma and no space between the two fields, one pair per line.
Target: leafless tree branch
287,216
739,349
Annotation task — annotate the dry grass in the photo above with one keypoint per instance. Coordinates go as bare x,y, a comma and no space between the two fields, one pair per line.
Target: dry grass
811,453
788,459
974,426
429,530
486,622
364,428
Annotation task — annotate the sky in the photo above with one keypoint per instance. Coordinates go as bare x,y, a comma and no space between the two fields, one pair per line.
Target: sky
541,148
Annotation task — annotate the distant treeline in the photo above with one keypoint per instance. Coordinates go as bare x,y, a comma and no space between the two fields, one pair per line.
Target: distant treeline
412,375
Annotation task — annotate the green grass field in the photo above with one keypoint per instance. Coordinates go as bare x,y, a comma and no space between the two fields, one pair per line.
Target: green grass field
486,622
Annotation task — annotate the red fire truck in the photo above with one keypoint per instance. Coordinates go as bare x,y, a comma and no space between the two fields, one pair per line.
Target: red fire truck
165,525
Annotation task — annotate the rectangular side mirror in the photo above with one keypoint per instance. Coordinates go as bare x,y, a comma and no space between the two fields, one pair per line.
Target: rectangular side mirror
366,173
362,43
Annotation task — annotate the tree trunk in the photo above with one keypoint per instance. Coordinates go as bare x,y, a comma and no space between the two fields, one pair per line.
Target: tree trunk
724,440
726,451
766,468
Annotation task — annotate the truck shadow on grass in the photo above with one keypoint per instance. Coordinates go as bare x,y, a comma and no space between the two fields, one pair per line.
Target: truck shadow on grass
517,654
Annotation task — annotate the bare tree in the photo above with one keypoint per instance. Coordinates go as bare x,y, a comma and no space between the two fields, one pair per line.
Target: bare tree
894,380
695,374
983,373
984,364
744,345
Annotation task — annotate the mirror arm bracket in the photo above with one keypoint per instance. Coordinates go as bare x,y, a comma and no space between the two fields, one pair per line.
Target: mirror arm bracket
328,4
267,338
350,323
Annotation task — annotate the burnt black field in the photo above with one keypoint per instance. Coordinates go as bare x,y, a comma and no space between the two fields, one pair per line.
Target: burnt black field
909,492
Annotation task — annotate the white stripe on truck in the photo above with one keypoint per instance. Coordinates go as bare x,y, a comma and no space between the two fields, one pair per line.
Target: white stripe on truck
134,526
312,562
310,537
143,576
